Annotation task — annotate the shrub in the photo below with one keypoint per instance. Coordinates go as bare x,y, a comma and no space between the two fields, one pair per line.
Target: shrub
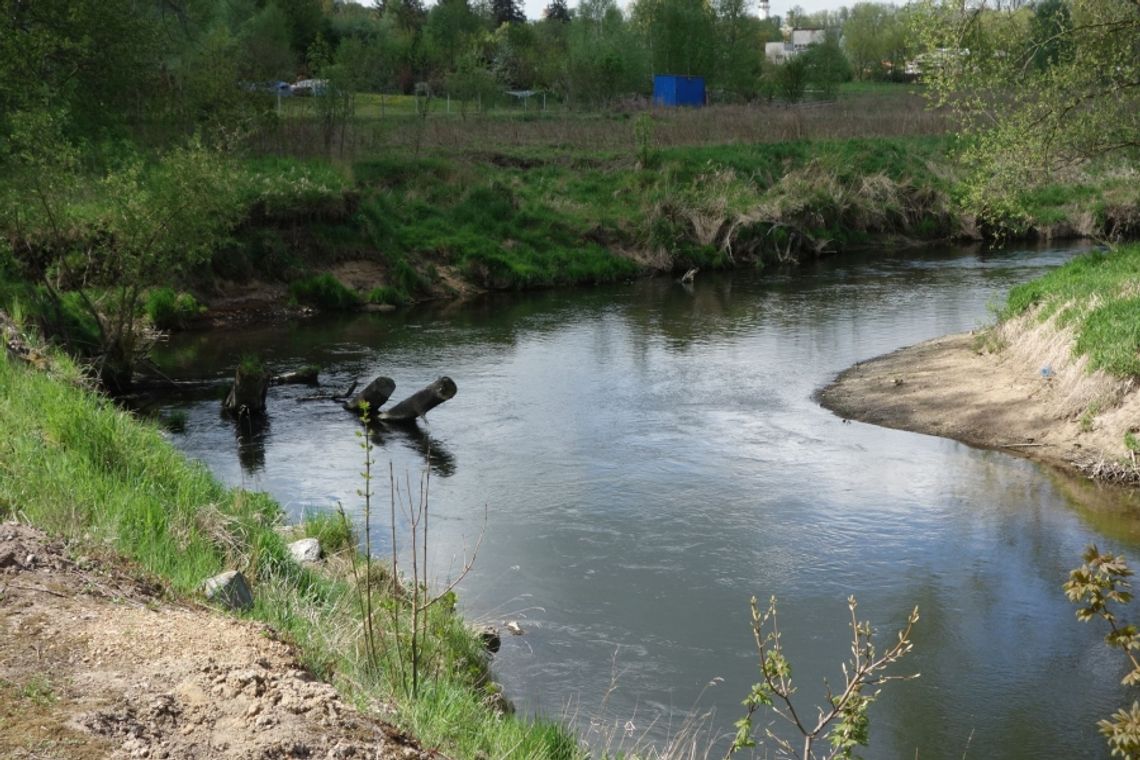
170,310
325,292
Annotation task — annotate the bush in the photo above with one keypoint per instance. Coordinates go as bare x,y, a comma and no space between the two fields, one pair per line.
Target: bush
325,292
170,310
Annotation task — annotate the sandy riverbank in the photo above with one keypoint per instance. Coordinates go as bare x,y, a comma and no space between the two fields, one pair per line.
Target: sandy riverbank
1016,388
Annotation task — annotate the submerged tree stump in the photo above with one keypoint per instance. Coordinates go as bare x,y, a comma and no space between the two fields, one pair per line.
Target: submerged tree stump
375,394
421,402
247,394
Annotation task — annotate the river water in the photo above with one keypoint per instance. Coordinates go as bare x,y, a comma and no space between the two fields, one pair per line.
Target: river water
649,456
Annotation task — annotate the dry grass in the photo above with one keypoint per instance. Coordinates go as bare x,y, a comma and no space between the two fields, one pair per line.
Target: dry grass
858,115
1047,347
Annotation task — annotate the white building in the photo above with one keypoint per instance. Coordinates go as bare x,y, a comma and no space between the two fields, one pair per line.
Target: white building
779,52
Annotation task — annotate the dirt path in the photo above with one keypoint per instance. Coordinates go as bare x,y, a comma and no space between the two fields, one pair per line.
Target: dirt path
997,400
94,663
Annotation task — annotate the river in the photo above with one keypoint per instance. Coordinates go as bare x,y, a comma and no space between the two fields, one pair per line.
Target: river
649,456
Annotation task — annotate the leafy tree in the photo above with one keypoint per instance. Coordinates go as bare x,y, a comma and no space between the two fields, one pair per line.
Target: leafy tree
740,46
507,12
1051,20
154,222
265,46
826,67
557,11
680,35
1028,120
450,26
867,37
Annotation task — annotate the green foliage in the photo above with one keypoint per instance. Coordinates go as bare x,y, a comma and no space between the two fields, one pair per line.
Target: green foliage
1094,294
334,533
844,722
78,467
1040,91
1099,586
169,309
325,292
643,136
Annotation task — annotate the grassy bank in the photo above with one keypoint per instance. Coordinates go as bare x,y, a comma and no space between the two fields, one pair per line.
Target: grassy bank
73,464
1097,296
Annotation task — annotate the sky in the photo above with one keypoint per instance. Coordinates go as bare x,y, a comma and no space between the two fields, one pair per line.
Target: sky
534,8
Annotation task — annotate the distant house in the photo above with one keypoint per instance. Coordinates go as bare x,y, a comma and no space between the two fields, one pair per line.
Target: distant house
678,90
798,42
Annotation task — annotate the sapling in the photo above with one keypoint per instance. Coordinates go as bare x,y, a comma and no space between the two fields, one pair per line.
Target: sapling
844,723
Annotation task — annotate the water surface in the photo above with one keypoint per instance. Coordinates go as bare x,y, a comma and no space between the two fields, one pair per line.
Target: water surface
650,456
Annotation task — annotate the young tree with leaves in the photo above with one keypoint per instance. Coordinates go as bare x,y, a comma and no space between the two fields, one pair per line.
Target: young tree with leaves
1039,92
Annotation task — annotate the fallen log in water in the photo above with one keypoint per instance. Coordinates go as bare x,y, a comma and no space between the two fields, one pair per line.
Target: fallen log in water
303,376
421,402
375,394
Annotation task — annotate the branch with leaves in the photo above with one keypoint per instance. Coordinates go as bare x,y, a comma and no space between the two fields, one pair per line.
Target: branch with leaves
1099,585
844,722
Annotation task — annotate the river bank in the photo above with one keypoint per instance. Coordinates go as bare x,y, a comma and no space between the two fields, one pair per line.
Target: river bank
1054,381
97,660
110,487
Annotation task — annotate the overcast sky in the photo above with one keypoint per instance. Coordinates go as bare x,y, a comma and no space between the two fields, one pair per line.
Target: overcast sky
534,8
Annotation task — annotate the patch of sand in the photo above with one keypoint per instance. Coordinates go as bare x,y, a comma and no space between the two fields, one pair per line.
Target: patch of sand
1011,399
95,663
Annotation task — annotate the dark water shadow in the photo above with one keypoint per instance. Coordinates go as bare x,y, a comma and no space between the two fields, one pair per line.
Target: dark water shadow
411,435
251,433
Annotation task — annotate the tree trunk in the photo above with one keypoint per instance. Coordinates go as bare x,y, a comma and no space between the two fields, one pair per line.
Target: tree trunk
421,402
247,394
376,394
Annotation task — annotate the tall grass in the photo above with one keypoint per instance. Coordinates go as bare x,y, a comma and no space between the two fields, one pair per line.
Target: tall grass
75,465
1098,296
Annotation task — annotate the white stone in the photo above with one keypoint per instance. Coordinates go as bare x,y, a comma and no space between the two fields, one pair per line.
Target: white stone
306,550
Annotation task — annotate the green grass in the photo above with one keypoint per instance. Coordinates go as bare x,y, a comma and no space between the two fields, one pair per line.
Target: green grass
1098,295
77,466
325,292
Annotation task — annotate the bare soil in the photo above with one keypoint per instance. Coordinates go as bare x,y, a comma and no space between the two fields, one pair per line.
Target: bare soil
97,663
1028,398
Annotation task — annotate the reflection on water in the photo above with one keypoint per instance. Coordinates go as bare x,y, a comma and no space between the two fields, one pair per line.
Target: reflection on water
650,457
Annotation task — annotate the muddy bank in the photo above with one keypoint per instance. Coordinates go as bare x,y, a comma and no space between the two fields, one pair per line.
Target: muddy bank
1017,390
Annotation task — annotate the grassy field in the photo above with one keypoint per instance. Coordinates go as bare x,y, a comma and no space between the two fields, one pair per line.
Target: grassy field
75,465
1098,295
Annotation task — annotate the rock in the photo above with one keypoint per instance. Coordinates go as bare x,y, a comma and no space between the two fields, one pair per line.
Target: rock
230,589
306,550
376,393
490,637
515,628
377,308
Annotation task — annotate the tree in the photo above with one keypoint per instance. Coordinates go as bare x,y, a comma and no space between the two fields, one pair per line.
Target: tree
680,35
1038,92
826,67
557,11
866,37
507,12
153,222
